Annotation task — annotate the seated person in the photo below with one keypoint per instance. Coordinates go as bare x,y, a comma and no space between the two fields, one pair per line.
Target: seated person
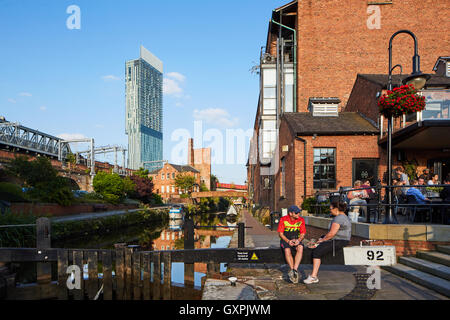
421,182
370,191
357,197
292,230
445,193
434,180
337,237
413,191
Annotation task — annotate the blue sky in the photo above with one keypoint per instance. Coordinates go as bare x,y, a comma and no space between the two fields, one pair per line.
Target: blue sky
71,82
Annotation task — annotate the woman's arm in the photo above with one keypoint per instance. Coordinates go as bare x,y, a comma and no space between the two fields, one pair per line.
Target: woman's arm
330,235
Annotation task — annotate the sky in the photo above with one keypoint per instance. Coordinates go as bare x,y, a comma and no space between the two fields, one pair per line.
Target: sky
63,73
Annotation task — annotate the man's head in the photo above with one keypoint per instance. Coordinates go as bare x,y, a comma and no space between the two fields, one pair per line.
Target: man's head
421,181
414,182
399,169
366,183
294,211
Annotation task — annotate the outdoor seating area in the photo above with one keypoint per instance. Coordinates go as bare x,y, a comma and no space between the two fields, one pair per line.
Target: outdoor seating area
369,204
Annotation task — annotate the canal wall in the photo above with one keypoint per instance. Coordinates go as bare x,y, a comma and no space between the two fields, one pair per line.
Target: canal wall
55,210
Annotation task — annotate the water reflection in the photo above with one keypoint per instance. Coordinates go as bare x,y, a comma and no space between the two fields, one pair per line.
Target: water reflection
167,236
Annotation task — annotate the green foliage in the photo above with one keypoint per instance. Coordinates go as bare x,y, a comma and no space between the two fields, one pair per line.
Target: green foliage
203,187
11,192
410,169
111,186
39,174
17,236
156,199
435,189
308,204
184,182
143,173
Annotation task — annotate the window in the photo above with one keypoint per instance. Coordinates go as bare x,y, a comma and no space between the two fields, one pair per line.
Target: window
162,176
269,91
324,168
173,189
173,175
168,176
162,189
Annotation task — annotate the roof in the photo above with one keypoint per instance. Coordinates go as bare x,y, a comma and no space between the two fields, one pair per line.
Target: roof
382,79
346,123
439,60
179,168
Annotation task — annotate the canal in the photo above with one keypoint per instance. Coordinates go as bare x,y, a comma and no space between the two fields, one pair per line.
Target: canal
154,236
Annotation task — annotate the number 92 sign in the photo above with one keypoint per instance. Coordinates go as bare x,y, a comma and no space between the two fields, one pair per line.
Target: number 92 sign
370,255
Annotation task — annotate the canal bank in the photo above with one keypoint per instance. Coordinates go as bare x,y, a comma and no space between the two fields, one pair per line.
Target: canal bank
270,282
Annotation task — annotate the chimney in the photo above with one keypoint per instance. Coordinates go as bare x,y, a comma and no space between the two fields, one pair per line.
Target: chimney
191,152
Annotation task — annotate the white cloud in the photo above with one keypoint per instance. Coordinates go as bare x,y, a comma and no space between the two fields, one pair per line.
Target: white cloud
12,100
177,76
171,87
43,108
25,94
216,116
110,77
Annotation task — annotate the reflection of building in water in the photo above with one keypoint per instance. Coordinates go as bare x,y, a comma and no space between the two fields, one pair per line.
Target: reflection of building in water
167,240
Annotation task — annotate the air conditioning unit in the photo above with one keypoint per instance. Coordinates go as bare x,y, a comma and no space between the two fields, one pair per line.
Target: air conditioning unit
268,58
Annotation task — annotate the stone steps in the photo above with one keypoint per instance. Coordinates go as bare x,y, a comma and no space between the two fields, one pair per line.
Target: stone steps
432,268
427,280
443,249
434,256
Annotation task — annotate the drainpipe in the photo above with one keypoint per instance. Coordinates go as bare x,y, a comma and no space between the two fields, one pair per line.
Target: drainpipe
304,164
295,60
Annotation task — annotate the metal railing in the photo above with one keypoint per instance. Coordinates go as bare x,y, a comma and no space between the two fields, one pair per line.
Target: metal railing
378,204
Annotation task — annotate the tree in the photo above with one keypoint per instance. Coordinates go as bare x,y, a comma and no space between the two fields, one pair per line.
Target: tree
143,173
43,179
214,180
184,182
111,186
143,188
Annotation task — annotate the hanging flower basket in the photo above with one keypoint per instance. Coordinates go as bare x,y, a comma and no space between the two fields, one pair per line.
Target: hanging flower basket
400,101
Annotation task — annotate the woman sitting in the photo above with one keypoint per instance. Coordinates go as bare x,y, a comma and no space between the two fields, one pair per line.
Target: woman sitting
337,237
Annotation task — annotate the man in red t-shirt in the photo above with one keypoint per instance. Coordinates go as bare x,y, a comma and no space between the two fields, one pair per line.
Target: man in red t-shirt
292,230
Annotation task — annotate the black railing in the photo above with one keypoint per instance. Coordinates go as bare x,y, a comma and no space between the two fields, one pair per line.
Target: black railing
376,204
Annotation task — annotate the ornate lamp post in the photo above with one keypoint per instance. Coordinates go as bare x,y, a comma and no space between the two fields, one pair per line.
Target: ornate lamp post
418,80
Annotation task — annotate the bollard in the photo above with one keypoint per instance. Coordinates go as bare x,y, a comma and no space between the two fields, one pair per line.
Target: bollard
188,234
241,235
43,241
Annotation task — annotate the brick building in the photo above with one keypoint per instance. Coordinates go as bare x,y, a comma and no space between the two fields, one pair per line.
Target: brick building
314,52
200,159
164,180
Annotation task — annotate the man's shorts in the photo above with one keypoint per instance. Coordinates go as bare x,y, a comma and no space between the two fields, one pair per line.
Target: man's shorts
285,245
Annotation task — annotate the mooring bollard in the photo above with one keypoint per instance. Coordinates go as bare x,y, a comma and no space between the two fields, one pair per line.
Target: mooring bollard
241,235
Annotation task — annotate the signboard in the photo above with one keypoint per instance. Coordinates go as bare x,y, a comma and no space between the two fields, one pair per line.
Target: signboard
370,256
247,256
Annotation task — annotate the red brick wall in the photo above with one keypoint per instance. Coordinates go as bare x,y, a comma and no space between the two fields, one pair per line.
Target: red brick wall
334,42
159,183
347,149
363,99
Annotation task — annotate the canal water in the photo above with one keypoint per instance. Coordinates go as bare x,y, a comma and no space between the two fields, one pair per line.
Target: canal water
154,236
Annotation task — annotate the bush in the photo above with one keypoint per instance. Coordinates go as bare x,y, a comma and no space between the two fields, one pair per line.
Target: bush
308,204
11,192
111,186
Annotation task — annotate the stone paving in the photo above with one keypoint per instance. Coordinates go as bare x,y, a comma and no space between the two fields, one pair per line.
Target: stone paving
336,282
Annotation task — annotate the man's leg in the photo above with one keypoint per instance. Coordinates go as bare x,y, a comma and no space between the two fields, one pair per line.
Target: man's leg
298,256
289,258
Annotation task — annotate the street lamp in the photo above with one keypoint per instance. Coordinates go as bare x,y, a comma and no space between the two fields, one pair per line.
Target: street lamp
418,80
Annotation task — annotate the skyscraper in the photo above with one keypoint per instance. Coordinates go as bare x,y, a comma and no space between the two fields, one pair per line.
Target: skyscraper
144,114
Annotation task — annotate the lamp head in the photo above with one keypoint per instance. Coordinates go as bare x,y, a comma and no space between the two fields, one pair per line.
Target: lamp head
418,80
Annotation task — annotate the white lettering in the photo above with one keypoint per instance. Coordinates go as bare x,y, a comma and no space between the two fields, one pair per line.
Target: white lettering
74,20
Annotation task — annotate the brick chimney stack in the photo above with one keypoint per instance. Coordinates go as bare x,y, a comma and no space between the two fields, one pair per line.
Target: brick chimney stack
191,152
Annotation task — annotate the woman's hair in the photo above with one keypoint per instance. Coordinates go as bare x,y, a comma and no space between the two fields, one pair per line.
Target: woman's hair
357,183
341,205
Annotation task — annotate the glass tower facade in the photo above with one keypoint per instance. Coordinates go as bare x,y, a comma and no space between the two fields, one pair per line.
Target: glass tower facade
144,112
